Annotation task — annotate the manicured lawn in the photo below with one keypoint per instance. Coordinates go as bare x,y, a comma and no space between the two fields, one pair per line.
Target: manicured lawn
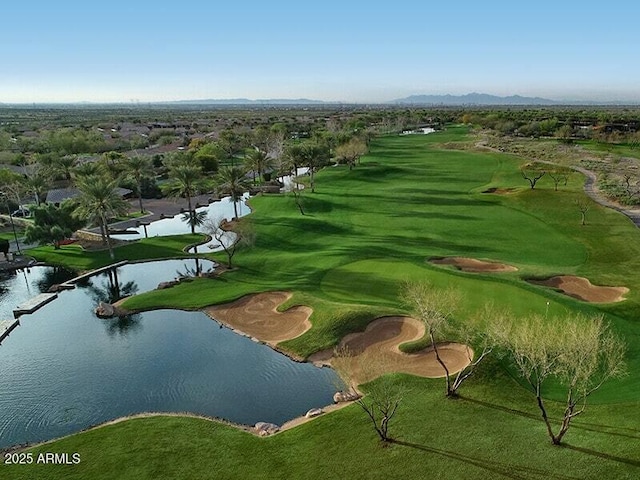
75,258
366,232
494,432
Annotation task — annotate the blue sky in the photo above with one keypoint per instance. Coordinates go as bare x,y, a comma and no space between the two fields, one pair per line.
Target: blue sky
327,50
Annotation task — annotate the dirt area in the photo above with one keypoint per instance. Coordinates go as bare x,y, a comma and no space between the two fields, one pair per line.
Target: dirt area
256,316
582,289
472,265
500,191
376,351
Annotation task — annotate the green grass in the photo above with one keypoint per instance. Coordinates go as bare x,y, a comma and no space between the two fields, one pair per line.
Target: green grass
621,149
9,236
74,257
366,232
493,432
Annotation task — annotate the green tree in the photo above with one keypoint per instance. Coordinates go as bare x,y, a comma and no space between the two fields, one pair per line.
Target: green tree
314,156
37,183
579,353
232,144
99,200
186,181
114,163
233,182
53,224
87,169
257,161
209,156
351,151
137,168
62,167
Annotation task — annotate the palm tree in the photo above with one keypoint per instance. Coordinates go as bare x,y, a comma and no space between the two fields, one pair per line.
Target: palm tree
38,185
99,200
314,155
63,166
186,182
86,169
233,181
258,161
251,163
137,168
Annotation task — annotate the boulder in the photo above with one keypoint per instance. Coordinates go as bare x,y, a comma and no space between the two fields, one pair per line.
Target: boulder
163,285
106,310
340,397
264,429
314,412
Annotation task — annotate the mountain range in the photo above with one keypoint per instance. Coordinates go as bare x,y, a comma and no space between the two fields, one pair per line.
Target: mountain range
473,99
469,99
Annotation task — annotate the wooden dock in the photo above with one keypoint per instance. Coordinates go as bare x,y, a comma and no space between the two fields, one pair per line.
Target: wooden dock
6,326
34,304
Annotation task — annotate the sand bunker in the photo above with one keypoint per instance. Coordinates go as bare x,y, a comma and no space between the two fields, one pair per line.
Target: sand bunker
256,316
582,289
472,265
375,351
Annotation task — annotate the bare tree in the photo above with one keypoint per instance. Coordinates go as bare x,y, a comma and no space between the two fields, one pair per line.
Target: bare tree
296,191
433,307
532,172
218,229
383,396
580,352
583,206
631,187
351,151
559,174
482,331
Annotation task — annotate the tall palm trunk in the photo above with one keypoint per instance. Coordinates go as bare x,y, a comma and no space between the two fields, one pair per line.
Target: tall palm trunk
235,206
191,222
106,231
139,183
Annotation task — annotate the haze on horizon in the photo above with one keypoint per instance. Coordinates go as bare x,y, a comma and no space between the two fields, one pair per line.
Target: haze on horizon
334,51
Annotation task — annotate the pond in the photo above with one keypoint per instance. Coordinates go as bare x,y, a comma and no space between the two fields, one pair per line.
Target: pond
19,286
217,211
63,369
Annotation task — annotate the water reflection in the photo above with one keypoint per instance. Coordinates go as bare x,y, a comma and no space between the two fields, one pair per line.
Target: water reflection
193,271
18,286
62,370
50,276
122,326
111,290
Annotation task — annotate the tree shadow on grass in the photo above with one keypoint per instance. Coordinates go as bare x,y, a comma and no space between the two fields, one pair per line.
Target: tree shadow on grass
577,425
505,469
436,216
606,456
502,408
596,427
